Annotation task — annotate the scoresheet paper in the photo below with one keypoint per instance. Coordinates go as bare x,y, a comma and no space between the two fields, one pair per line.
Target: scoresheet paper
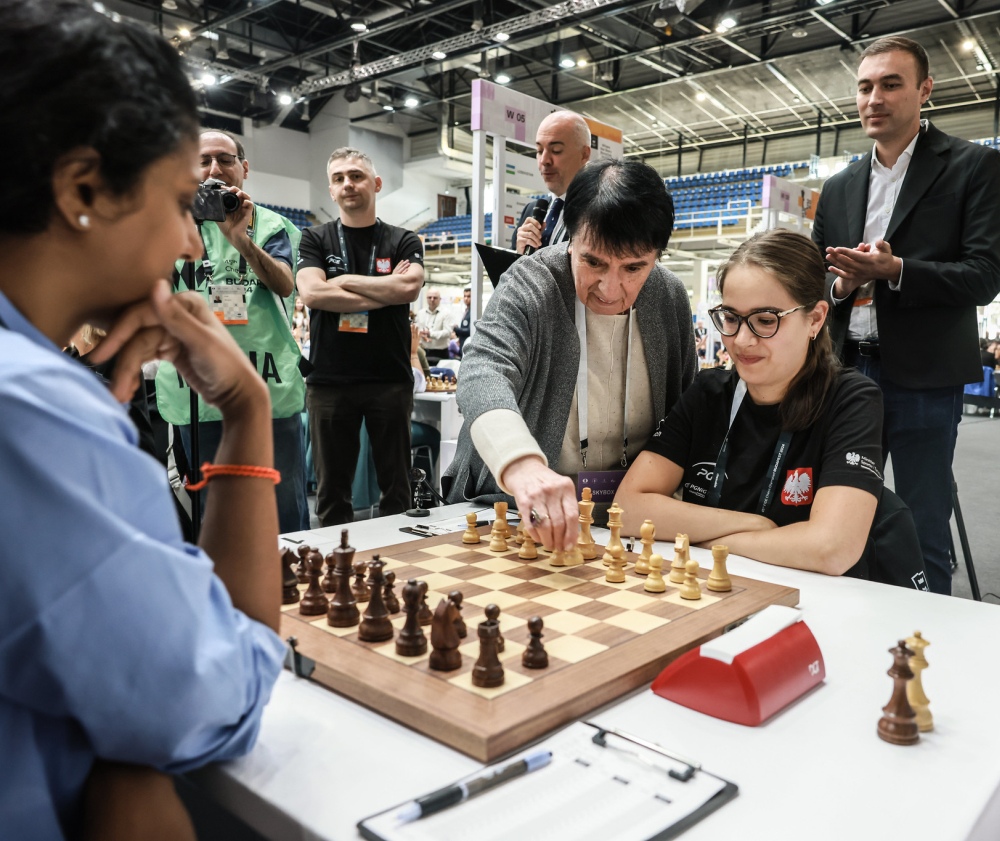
587,793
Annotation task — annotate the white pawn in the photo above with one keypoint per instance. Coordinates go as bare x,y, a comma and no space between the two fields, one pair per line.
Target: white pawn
471,533
690,589
498,541
655,583
647,535
528,552
677,565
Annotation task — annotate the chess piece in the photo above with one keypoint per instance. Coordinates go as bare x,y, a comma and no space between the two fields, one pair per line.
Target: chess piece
680,559
915,688
391,602
535,656
488,671
359,587
585,542
898,724
647,536
528,552
411,641
615,573
498,539
654,581
456,597
302,572
375,625
500,510
424,614
558,558
289,579
718,579
343,611
471,534
314,602
445,656
614,547
690,588
519,534
329,583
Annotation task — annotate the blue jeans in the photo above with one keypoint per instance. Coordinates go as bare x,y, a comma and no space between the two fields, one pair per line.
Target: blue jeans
289,461
919,430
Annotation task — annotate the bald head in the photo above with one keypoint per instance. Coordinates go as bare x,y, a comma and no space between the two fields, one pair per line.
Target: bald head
433,298
562,147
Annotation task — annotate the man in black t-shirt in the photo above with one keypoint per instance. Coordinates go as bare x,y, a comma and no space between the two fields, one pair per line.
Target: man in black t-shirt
358,276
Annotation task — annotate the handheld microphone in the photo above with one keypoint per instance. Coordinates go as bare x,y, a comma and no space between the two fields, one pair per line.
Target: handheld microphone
539,213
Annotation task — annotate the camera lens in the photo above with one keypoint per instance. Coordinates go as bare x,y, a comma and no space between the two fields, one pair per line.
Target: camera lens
230,202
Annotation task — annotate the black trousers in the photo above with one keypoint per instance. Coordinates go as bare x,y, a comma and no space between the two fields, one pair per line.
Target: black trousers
335,415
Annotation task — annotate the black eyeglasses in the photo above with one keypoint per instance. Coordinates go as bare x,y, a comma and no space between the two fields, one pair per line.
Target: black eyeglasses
763,323
223,160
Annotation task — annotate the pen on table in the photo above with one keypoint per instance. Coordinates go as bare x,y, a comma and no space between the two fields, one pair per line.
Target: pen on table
459,792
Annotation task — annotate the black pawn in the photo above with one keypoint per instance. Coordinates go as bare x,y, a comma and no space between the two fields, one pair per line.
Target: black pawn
314,602
488,671
391,602
302,571
456,597
535,656
411,641
343,612
425,614
289,580
375,625
329,583
360,589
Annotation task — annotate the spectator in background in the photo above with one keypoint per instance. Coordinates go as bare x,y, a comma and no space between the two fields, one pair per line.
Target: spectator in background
432,321
464,327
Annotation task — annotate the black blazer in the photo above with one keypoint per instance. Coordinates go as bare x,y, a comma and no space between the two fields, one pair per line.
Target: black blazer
946,228
528,208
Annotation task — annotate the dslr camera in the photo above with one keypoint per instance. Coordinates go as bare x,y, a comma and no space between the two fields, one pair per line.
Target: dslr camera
213,201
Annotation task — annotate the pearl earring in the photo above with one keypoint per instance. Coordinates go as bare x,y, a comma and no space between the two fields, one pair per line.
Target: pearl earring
84,220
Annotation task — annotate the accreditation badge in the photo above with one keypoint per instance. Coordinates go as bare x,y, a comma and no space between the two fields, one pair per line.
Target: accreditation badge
603,484
353,322
228,303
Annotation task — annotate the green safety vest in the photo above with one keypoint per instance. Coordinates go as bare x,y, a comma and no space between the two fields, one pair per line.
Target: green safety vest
266,338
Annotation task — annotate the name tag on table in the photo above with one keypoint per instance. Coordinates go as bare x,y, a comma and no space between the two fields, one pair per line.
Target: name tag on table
603,484
229,303
353,322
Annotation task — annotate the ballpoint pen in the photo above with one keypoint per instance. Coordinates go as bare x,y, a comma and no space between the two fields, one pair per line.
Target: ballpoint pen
459,792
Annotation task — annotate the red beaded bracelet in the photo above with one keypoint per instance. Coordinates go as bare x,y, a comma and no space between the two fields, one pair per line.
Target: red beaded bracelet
210,471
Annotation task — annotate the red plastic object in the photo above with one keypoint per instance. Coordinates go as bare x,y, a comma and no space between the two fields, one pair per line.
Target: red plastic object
758,683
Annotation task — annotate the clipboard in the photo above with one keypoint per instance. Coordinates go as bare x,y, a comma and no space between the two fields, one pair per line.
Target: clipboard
600,784
496,261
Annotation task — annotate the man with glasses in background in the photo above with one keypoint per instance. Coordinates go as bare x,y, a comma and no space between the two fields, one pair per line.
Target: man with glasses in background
246,275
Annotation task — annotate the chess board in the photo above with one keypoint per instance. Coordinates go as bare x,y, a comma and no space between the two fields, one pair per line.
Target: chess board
603,640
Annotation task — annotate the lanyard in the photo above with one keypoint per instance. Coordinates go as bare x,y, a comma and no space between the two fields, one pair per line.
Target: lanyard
581,382
770,480
343,247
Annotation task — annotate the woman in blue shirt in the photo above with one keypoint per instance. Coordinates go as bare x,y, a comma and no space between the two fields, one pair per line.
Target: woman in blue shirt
120,645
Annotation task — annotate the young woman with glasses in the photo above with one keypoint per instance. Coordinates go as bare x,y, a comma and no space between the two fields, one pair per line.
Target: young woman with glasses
779,458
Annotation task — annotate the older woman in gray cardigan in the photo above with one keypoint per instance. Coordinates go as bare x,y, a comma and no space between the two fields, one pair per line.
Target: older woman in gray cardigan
526,434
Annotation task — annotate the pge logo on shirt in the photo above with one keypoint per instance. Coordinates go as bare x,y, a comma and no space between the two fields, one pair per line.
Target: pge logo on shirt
798,489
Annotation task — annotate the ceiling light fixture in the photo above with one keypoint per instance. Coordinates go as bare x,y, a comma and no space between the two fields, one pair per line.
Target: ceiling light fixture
823,2
725,24
800,32
701,96
411,102
661,22
388,107
439,55
359,25
502,78
285,99
170,5
582,62
501,37
968,45
567,62
184,32
208,79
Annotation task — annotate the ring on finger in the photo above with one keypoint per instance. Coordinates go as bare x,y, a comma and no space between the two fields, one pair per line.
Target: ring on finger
537,518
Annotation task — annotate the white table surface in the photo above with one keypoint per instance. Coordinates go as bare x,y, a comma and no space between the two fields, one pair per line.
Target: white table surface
815,771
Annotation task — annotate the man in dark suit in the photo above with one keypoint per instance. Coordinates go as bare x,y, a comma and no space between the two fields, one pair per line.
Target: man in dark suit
911,233
562,147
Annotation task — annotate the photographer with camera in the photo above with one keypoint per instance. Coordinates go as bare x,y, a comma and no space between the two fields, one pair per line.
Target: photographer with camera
245,274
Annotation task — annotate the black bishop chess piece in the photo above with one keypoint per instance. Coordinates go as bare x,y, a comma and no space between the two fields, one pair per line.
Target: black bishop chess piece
456,597
302,570
391,602
424,615
360,588
411,641
375,624
343,612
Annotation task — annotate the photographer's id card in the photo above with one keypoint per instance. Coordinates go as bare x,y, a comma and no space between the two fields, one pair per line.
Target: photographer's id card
353,322
228,303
